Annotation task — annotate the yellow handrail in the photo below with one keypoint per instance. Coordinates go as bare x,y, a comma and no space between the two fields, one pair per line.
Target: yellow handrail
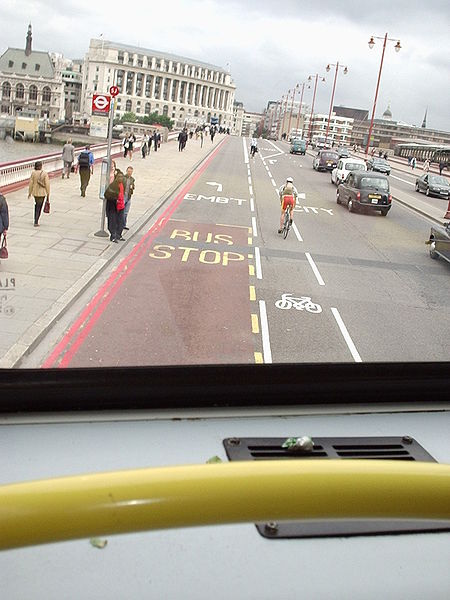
126,501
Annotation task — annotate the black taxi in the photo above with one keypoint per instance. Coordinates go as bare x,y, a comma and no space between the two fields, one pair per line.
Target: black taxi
365,190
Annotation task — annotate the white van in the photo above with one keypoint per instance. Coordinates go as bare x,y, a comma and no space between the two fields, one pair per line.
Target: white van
344,166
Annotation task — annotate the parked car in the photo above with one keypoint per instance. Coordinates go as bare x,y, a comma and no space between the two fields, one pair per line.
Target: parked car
378,164
433,185
343,152
364,189
298,146
440,241
344,166
325,160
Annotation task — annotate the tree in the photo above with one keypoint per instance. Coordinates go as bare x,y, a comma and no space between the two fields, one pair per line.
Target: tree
128,117
155,119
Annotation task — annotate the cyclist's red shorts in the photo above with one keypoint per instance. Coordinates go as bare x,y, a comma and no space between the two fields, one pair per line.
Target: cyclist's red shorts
287,201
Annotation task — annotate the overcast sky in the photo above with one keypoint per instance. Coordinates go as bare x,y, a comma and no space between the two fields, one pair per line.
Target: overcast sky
270,45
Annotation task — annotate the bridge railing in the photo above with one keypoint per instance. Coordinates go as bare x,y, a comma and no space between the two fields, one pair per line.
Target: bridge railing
16,174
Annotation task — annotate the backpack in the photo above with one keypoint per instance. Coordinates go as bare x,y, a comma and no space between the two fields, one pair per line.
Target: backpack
83,159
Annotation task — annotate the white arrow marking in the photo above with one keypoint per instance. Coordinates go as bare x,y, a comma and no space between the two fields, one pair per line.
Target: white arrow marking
219,185
273,161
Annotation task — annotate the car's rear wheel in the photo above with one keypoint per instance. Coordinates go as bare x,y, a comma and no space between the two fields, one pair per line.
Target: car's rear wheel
433,254
350,205
338,198
427,191
417,187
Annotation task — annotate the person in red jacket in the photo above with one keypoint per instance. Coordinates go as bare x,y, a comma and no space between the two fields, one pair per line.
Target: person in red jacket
115,204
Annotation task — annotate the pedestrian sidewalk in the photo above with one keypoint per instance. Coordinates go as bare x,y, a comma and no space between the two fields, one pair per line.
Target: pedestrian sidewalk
49,266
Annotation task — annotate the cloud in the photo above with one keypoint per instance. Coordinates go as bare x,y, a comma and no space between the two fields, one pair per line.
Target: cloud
270,45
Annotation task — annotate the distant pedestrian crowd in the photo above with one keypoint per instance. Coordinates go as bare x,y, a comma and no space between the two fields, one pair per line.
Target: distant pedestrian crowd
120,188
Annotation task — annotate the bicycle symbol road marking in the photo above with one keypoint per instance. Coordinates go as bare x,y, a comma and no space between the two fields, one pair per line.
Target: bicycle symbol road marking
288,301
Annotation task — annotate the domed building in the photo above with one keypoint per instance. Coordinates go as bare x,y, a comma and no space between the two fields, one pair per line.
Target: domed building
387,115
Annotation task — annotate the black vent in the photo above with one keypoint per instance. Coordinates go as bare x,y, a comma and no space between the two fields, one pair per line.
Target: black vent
376,448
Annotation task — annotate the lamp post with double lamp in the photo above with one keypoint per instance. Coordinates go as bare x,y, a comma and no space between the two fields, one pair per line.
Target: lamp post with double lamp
316,76
338,66
297,86
397,48
300,105
279,116
284,112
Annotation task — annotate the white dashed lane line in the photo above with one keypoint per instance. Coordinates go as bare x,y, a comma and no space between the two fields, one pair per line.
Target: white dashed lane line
254,229
267,352
346,335
313,266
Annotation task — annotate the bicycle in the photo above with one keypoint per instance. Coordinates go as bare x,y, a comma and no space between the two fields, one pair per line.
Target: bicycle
286,221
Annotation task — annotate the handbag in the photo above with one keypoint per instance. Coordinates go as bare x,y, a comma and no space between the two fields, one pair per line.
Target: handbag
4,249
47,206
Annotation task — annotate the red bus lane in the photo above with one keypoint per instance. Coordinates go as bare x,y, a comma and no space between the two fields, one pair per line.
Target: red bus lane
186,302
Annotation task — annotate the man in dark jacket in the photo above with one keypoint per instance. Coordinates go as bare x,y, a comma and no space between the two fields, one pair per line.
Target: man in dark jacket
86,168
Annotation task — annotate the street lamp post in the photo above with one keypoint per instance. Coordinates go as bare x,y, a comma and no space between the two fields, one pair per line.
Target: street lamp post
371,45
284,112
337,65
292,107
300,106
316,76
279,117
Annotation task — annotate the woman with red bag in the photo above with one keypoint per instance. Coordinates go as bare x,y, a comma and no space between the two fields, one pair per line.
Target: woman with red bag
4,225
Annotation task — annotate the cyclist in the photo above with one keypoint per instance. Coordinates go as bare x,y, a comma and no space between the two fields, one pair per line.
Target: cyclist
253,147
288,197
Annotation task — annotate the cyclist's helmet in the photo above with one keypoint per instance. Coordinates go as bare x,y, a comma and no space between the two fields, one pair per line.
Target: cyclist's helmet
289,180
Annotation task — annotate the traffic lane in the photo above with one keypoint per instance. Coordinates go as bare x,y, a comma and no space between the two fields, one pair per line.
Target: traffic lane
301,324
221,193
352,276
185,302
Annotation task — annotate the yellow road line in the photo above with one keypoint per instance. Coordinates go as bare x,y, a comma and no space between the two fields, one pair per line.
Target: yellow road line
250,255
250,241
258,358
251,270
255,323
252,293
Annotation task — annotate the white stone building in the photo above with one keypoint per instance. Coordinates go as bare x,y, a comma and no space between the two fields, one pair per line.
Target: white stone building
31,82
339,131
186,90
251,123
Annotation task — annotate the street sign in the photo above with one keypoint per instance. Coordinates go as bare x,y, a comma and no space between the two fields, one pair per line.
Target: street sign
101,104
114,91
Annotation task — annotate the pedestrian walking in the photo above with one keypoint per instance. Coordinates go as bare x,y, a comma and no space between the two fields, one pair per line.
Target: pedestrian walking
128,187
4,225
426,165
155,141
442,166
85,168
385,156
182,139
158,136
413,163
115,204
131,142
144,146
68,156
212,133
39,188
201,138
125,144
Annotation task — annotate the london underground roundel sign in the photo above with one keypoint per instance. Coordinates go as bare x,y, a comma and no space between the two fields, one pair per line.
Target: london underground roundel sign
100,104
